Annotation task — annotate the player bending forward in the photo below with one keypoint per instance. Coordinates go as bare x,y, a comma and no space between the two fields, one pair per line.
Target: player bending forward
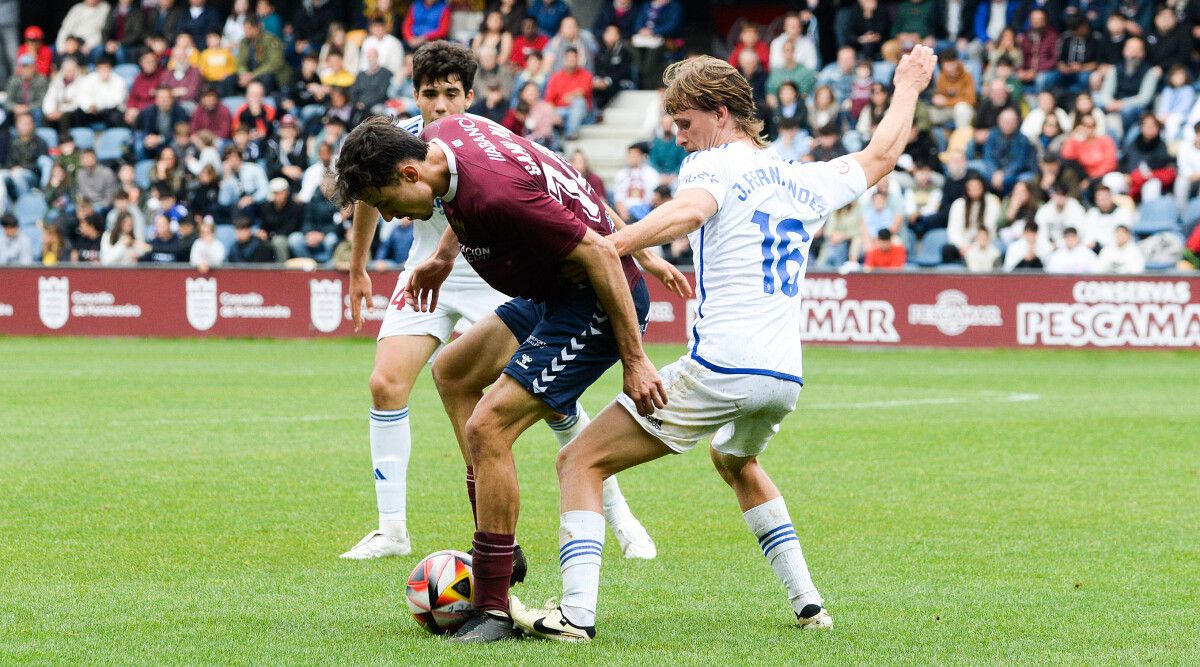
442,74
750,217
521,216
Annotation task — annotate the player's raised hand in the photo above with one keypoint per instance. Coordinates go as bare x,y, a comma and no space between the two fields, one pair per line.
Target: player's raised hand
425,283
643,385
915,69
360,290
666,273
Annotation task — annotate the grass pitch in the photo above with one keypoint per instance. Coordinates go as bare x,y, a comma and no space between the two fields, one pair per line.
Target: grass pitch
184,502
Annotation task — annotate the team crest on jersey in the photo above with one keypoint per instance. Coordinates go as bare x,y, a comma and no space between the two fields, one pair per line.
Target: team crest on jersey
54,301
201,303
325,304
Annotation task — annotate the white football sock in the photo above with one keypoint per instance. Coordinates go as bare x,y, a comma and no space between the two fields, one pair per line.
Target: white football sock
772,526
391,443
616,509
580,543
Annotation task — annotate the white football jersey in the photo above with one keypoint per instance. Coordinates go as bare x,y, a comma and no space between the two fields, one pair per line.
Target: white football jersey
752,254
427,233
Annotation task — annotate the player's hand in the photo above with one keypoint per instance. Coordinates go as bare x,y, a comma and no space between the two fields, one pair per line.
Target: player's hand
915,69
666,273
360,290
643,385
426,282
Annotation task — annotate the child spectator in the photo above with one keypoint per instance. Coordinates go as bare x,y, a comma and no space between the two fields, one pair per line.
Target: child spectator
884,254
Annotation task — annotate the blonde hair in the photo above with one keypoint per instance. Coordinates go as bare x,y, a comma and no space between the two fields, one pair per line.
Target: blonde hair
705,83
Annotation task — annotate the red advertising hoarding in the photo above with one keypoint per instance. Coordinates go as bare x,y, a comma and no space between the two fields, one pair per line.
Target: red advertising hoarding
938,310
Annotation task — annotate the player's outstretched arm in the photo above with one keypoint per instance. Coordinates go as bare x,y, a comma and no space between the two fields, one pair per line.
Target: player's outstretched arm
912,76
666,273
362,231
426,280
679,217
603,265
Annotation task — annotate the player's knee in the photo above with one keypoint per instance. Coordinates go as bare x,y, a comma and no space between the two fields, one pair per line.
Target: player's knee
730,468
482,434
388,390
446,376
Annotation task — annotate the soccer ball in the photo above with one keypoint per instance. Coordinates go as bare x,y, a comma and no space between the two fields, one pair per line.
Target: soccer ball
439,591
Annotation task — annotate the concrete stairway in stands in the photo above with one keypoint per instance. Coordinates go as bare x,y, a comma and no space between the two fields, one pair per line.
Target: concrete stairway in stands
605,143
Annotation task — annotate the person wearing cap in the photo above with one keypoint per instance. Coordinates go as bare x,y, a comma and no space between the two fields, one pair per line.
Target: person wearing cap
279,218
85,21
211,115
286,154
26,88
35,45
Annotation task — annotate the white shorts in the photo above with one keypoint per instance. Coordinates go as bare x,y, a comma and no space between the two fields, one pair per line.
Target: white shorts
465,302
744,411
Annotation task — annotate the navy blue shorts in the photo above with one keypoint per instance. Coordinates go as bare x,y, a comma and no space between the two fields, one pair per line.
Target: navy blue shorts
566,345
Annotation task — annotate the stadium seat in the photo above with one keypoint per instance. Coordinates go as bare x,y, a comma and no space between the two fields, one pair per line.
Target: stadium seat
34,234
226,234
950,268
112,144
141,172
29,208
48,135
84,137
1191,215
929,252
1158,215
127,71
233,102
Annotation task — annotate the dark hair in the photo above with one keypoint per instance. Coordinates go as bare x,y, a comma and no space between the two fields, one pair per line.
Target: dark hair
884,234
105,60
1070,231
243,222
252,20
663,191
788,123
369,158
571,49
9,220
1031,226
444,61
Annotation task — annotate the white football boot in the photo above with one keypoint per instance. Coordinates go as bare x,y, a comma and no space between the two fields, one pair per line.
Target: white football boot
548,622
633,539
814,617
378,544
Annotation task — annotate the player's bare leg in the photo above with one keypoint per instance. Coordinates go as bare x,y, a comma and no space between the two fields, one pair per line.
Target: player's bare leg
766,514
398,362
502,415
612,443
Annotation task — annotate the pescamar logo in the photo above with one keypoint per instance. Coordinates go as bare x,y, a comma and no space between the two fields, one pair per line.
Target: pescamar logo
54,302
201,302
952,314
828,316
325,304
1114,314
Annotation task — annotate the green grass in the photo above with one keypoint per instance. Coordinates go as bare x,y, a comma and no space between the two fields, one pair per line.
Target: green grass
183,502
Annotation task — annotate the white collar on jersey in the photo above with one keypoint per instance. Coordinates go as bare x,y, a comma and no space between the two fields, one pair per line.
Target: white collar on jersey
450,192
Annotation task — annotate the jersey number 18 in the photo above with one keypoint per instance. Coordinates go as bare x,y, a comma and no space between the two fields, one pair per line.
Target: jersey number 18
778,251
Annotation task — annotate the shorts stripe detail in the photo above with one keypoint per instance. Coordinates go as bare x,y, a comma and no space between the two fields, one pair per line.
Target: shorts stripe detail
568,353
789,536
388,416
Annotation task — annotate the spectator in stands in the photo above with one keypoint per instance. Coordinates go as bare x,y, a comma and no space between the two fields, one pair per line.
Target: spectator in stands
207,251
836,235
570,91
1008,155
217,63
198,20
528,42
24,154
1174,103
619,13
141,91
977,209
580,162
121,246
635,181
493,72
248,248
867,27
923,199
164,19
549,14
286,154
95,182
34,45
533,117
569,36
393,249
1146,159
318,231
839,75
791,143
658,21
388,48
212,116
204,196
914,23
62,95
55,246
180,76
255,114
1021,206
265,11
26,88
1072,256
1056,215
1047,106
997,100
85,21
243,185
750,39
790,70
280,218
1128,87
1123,256
1187,161
156,122
788,104
164,243
1111,43
749,67
260,59
1039,51
427,21
1026,253
121,205
822,110
799,30
1077,58
614,68
884,253
877,215
493,37
1095,153
15,249
982,255
370,89
234,28
1170,44
86,248
333,71
954,95
188,235
493,104
827,144
59,193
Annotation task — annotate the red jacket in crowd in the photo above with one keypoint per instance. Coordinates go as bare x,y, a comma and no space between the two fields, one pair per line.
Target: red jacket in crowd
563,83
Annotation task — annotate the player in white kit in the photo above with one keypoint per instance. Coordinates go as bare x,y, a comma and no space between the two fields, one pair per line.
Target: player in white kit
442,75
750,217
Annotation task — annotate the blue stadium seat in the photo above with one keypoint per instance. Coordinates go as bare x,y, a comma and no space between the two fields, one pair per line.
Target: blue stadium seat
84,137
226,234
29,208
1168,265
1157,215
112,143
233,102
1191,215
950,268
48,135
34,234
127,71
929,253
141,172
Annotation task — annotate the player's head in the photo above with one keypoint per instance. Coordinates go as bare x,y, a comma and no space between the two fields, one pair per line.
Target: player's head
711,104
380,165
443,75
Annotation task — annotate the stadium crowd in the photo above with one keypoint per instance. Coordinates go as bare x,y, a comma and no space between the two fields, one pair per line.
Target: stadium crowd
1060,135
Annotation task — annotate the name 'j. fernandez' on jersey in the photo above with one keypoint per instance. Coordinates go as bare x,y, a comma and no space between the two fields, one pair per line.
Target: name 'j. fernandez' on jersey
751,255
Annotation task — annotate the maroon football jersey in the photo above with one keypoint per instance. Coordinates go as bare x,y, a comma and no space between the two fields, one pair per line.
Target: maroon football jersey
518,208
